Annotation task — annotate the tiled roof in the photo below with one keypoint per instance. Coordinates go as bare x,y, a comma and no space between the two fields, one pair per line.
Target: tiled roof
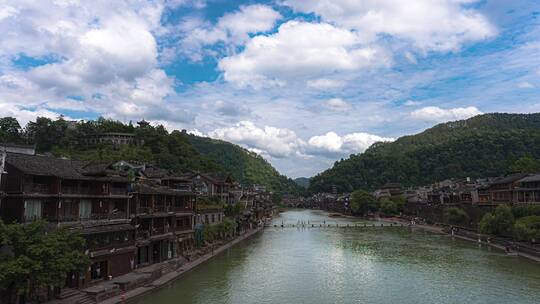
509,179
60,167
156,172
530,178
46,165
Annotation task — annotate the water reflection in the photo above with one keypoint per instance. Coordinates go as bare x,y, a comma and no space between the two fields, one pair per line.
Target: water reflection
356,265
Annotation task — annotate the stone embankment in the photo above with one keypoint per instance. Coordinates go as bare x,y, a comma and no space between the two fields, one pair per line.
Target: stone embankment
147,279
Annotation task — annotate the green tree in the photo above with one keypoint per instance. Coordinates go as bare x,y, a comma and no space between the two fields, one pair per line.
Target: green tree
399,201
388,207
525,210
41,257
46,133
487,224
500,222
232,210
455,216
363,202
526,164
527,228
10,130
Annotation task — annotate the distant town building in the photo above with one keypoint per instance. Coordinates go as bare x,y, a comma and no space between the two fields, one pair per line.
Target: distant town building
114,138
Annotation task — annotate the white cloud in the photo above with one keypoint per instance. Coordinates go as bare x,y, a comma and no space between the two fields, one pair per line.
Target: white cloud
24,115
274,141
411,57
325,83
525,85
250,19
439,25
299,50
332,145
436,114
282,142
105,54
121,48
7,11
232,28
337,104
412,103
230,108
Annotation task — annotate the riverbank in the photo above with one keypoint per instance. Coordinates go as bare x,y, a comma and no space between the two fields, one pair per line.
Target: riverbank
441,230
147,279
170,277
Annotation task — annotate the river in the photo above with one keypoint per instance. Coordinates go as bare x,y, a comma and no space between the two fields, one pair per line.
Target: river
360,265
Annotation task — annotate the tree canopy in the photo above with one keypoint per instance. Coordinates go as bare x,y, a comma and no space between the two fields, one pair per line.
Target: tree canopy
455,216
362,202
499,222
38,257
527,228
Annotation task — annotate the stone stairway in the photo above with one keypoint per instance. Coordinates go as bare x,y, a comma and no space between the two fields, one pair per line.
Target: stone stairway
74,296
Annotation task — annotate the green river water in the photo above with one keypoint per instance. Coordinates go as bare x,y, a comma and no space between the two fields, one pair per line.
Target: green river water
361,265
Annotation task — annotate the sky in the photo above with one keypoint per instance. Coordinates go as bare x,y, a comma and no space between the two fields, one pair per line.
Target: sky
301,82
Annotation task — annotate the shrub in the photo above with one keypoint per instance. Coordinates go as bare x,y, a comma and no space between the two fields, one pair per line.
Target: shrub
363,202
527,228
455,216
389,207
500,222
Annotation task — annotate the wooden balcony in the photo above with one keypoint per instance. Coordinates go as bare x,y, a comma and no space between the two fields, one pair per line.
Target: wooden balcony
39,188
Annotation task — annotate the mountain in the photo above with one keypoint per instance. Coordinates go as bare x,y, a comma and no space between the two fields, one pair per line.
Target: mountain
176,150
302,182
245,166
485,145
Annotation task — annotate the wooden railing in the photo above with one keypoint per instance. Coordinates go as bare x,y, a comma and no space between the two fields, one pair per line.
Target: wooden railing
38,188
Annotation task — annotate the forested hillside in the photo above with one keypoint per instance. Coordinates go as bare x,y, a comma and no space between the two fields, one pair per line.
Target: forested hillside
174,150
485,145
247,167
302,182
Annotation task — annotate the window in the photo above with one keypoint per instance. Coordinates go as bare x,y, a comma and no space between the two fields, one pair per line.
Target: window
67,208
142,255
32,210
85,209
98,270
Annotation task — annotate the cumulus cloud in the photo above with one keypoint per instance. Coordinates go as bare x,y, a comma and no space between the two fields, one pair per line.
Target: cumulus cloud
121,48
282,142
442,25
337,104
276,142
436,114
299,50
333,145
103,53
232,28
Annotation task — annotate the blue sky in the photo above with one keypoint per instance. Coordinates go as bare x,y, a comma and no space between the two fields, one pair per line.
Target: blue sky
302,82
